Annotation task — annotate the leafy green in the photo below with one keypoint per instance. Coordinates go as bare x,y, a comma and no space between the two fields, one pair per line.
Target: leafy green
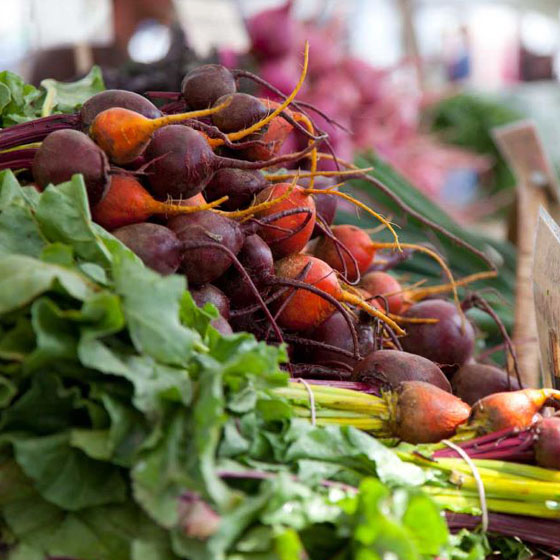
130,429
21,102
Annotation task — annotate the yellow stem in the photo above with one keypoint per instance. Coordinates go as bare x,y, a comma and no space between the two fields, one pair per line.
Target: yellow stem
413,320
416,294
438,259
299,117
175,209
359,302
180,117
281,177
257,126
361,205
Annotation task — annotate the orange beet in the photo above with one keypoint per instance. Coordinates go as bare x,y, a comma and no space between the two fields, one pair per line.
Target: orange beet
424,413
123,134
512,409
128,202
297,227
356,241
381,283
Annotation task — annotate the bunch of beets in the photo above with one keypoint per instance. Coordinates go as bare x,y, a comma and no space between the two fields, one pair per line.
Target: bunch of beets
195,187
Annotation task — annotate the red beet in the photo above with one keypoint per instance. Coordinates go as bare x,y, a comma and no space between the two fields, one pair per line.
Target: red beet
392,367
547,446
202,86
210,294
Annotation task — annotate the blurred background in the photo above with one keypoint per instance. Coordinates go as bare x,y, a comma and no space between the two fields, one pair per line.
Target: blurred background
419,82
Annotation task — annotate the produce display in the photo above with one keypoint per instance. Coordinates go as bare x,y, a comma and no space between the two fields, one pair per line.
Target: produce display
198,361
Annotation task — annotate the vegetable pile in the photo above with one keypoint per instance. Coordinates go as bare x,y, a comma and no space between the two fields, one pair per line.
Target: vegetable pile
141,420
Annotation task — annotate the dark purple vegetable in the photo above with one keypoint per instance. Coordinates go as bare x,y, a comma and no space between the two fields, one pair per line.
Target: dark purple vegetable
243,111
116,98
210,294
157,246
222,325
475,381
204,85
335,332
325,205
64,153
200,262
392,367
443,342
238,185
547,446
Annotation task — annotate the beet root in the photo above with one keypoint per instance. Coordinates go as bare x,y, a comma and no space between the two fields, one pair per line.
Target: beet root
210,294
64,153
443,342
515,409
475,381
392,367
201,262
157,246
547,446
203,85
424,413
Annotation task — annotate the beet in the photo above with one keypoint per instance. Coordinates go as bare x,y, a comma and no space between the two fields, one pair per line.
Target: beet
201,262
425,413
547,446
116,98
336,332
204,85
222,325
475,381
64,153
243,111
239,185
325,205
210,294
157,246
443,342
392,367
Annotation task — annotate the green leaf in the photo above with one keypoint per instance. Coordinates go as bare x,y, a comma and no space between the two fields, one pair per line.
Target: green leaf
151,306
66,97
18,99
65,476
64,216
22,279
18,342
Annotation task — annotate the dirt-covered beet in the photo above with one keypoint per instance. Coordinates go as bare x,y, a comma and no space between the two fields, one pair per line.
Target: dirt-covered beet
444,342
392,367
116,98
64,153
202,235
475,381
157,246
210,294
204,85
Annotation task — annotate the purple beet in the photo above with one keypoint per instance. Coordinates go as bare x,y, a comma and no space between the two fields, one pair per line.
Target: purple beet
210,294
475,381
222,326
157,246
204,236
325,204
64,153
204,85
239,185
443,342
392,367
547,446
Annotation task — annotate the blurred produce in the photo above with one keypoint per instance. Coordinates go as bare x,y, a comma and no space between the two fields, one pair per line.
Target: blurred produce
381,108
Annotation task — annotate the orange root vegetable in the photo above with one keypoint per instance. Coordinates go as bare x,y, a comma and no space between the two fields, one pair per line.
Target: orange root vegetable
128,202
383,284
290,232
514,409
123,134
424,413
305,307
357,244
